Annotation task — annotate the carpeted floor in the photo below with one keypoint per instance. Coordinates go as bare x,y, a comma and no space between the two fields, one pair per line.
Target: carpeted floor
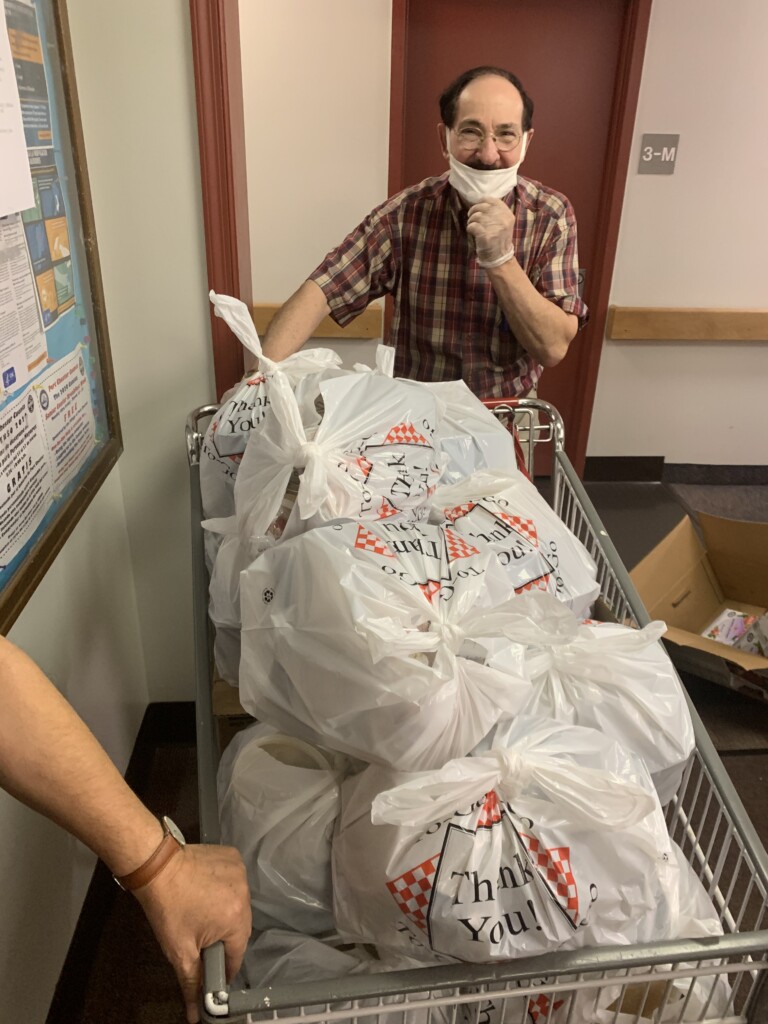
116,974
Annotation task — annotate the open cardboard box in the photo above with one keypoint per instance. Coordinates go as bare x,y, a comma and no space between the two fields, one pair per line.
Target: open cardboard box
687,583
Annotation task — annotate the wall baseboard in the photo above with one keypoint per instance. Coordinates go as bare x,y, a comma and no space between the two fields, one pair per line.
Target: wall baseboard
624,468
653,469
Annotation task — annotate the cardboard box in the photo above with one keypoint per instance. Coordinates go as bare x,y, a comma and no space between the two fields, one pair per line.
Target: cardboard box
688,583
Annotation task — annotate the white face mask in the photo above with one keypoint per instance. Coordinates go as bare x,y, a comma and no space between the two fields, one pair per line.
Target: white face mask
474,184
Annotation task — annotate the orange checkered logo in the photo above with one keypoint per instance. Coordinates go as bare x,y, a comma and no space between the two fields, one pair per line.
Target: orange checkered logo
554,867
525,527
405,433
411,891
367,541
458,547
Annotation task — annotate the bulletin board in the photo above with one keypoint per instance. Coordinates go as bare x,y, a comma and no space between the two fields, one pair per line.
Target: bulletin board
59,424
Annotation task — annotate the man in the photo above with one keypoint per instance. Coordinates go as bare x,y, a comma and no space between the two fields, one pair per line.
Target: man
482,265
193,896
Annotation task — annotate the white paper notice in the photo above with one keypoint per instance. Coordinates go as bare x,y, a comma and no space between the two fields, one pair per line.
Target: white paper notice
22,339
16,191
64,399
25,480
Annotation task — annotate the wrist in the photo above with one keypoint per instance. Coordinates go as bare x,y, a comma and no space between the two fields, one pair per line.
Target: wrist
496,261
151,855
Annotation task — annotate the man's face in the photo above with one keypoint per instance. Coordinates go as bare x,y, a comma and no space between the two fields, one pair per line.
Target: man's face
487,107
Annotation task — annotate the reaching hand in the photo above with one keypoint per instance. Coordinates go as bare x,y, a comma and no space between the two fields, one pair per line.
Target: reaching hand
201,897
491,223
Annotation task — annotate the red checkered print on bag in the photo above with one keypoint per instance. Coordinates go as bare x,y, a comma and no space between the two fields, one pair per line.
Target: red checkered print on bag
554,866
490,812
411,891
261,379
386,510
540,583
538,1008
525,527
367,541
405,433
461,510
429,589
458,547
364,465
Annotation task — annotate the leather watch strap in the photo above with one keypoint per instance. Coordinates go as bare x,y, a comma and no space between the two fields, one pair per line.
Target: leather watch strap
151,868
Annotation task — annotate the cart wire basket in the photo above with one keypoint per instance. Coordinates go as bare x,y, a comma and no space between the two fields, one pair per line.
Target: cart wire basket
668,982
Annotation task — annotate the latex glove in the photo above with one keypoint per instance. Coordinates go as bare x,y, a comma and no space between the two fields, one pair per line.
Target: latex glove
201,897
491,223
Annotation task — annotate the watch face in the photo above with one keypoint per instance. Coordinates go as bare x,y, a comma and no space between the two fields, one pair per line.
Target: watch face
174,830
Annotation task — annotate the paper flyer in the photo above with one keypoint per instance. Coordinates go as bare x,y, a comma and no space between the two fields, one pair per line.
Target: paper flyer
25,481
16,185
64,399
22,339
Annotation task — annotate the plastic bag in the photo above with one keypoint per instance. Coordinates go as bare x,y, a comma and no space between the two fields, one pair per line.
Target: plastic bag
244,406
224,595
471,437
284,958
557,842
536,547
361,637
607,677
373,456
278,800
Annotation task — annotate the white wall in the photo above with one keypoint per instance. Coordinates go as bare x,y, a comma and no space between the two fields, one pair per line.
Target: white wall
82,628
136,84
316,99
695,238
111,621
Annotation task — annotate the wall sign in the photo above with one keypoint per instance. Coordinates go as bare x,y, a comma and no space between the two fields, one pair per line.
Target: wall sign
59,425
658,154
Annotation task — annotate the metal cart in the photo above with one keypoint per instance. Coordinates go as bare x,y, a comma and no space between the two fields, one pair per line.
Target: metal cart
706,819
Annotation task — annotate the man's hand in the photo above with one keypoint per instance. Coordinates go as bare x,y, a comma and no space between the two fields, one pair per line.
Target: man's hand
201,897
491,223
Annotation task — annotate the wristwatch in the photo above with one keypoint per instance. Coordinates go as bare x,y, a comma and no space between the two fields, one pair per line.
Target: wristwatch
171,843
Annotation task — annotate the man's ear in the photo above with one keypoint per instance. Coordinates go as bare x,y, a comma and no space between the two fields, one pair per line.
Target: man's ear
528,141
442,134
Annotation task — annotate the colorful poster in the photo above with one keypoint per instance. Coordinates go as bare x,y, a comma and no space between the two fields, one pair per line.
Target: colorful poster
66,410
25,479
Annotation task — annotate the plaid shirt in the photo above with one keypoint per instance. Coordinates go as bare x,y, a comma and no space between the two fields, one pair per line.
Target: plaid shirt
447,323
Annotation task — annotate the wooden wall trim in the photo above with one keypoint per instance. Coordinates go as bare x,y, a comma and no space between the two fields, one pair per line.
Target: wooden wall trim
369,324
624,108
654,323
221,132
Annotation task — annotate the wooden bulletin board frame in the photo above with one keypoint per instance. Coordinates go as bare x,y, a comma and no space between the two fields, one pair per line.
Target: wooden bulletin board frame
67,507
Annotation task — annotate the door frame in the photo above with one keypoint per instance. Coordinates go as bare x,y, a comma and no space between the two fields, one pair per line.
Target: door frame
621,129
215,26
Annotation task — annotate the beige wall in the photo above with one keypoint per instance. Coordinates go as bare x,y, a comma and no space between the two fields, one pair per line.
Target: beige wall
111,621
695,238
316,98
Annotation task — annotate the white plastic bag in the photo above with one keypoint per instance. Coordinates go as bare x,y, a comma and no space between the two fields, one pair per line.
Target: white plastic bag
360,637
244,406
373,456
536,547
279,957
278,800
471,437
557,842
224,595
607,677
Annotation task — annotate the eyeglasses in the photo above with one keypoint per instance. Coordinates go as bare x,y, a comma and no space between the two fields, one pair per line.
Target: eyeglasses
473,138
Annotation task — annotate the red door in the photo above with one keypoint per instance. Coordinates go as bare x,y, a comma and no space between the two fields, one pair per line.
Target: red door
568,56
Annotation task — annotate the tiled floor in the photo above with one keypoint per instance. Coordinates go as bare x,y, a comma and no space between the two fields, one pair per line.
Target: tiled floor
116,973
